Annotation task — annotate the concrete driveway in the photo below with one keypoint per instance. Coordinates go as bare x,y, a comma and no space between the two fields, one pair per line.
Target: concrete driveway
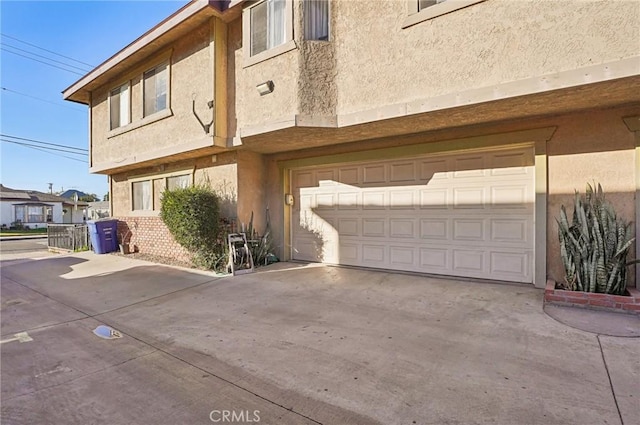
297,344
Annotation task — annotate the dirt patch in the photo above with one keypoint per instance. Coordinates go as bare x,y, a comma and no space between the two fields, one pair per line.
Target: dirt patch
159,259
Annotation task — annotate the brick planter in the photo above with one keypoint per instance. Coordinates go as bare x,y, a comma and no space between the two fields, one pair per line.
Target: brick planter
619,303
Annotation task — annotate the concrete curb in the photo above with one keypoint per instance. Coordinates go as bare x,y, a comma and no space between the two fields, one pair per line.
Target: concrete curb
21,238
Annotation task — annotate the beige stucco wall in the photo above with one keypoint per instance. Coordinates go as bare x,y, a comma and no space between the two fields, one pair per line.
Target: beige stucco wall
251,189
218,172
253,109
586,147
191,78
372,62
380,63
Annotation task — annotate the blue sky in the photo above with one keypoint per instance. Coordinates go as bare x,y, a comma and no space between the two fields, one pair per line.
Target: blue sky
89,31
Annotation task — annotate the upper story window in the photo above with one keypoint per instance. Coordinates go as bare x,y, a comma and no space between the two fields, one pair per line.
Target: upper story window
156,89
423,10
119,110
267,30
423,4
267,25
316,19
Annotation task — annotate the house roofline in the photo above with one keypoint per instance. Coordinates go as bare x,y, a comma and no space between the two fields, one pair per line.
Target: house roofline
219,8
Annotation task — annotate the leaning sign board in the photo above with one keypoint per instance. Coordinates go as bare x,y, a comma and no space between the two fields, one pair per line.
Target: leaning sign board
240,260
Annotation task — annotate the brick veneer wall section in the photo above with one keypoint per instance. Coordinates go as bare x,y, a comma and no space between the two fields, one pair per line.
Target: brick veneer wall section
626,304
149,235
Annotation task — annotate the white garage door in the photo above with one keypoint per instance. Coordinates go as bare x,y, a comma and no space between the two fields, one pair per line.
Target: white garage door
467,214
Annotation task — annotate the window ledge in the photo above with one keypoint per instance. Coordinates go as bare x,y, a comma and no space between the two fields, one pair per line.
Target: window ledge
268,54
437,10
165,113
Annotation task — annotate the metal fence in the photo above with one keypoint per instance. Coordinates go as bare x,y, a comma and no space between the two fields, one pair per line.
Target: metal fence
70,237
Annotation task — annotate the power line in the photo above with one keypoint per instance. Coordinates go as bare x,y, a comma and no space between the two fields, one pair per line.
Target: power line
45,57
43,147
46,50
45,151
36,60
44,143
41,99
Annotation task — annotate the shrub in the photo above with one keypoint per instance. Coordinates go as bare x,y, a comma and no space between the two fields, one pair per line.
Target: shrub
192,216
595,245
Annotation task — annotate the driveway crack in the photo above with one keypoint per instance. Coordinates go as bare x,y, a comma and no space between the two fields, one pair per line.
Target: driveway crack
613,391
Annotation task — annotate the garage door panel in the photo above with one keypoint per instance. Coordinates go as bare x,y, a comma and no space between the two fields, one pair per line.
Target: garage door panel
436,169
469,230
349,254
511,230
374,174
401,228
435,259
348,175
374,255
401,199
469,198
374,227
401,257
509,264
403,172
348,200
434,228
434,199
467,260
348,227
512,196
325,177
469,166
374,200
464,215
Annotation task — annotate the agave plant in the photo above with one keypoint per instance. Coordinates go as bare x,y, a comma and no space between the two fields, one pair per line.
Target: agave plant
595,245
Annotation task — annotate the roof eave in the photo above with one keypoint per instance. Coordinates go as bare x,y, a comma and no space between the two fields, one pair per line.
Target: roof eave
78,91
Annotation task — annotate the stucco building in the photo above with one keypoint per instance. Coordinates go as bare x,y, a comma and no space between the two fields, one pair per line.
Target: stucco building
431,136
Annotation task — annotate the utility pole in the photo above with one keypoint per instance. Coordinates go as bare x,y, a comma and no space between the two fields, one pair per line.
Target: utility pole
50,188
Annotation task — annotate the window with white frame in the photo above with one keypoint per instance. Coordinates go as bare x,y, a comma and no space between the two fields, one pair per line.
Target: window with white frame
33,213
142,197
423,10
267,25
316,19
156,89
423,4
119,106
178,182
146,193
20,213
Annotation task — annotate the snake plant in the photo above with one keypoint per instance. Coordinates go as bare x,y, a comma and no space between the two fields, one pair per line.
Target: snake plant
595,245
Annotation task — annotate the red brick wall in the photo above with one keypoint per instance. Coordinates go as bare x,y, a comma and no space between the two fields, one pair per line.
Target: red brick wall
149,235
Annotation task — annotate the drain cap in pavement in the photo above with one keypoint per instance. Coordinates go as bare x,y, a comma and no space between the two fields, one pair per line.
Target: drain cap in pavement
106,332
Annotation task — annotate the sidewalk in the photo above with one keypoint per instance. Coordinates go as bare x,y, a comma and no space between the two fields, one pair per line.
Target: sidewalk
21,238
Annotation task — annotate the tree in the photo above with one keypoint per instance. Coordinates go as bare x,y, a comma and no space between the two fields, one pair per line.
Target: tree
105,197
89,198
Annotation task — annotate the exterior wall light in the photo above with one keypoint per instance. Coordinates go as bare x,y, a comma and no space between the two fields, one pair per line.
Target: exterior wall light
265,88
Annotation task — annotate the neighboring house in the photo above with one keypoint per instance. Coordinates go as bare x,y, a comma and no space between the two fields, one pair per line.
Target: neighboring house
36,209
429,136
98,210
70,193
